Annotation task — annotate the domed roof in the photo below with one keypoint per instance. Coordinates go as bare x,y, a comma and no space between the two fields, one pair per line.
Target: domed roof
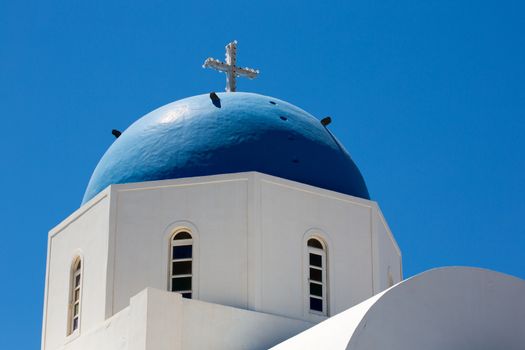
241,132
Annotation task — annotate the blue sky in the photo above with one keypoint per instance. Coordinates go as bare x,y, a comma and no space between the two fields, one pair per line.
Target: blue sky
427,96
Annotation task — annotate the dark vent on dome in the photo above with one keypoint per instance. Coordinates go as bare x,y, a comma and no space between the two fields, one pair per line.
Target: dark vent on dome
215,99
116,133
326,121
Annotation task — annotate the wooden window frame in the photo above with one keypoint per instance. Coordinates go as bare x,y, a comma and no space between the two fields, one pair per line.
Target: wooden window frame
322,252
177,243
75,297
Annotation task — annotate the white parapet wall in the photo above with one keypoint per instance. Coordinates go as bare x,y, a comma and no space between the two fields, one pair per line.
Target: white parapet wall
160,320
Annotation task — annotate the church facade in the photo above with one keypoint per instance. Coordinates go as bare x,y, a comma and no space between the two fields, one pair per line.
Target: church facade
252,242
239,221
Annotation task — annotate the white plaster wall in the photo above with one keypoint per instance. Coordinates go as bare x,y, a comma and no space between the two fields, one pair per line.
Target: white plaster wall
159,320
387,256
250,232
112,334
212,326
289,212
216,212
84,233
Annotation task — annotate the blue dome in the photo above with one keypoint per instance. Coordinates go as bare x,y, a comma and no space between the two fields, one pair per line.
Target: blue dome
241,132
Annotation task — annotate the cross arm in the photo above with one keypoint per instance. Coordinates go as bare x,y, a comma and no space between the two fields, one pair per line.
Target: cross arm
247,72
216,64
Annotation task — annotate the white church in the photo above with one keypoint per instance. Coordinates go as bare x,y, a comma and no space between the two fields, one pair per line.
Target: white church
238,221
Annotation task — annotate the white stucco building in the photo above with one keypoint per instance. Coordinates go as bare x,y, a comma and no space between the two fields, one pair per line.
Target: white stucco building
238,221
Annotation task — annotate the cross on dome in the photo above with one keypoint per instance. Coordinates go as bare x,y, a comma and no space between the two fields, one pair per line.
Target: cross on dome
230,68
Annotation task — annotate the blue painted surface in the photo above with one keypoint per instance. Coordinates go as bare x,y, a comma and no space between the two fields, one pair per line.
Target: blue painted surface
248,132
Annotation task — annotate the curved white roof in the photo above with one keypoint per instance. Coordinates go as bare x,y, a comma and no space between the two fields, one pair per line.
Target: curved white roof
445,308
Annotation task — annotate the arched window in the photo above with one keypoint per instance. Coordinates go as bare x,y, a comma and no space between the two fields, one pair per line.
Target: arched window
316,284
181,260
74,296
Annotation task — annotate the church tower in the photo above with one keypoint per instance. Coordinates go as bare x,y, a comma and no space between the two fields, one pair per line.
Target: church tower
225,220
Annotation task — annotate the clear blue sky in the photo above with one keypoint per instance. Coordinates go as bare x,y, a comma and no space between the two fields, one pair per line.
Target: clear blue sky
427,96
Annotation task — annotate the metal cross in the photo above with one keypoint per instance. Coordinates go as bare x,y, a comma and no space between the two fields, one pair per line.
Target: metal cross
230,68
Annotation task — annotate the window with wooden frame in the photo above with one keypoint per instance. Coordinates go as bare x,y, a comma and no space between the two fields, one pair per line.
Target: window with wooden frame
181,263
316,277
75,296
